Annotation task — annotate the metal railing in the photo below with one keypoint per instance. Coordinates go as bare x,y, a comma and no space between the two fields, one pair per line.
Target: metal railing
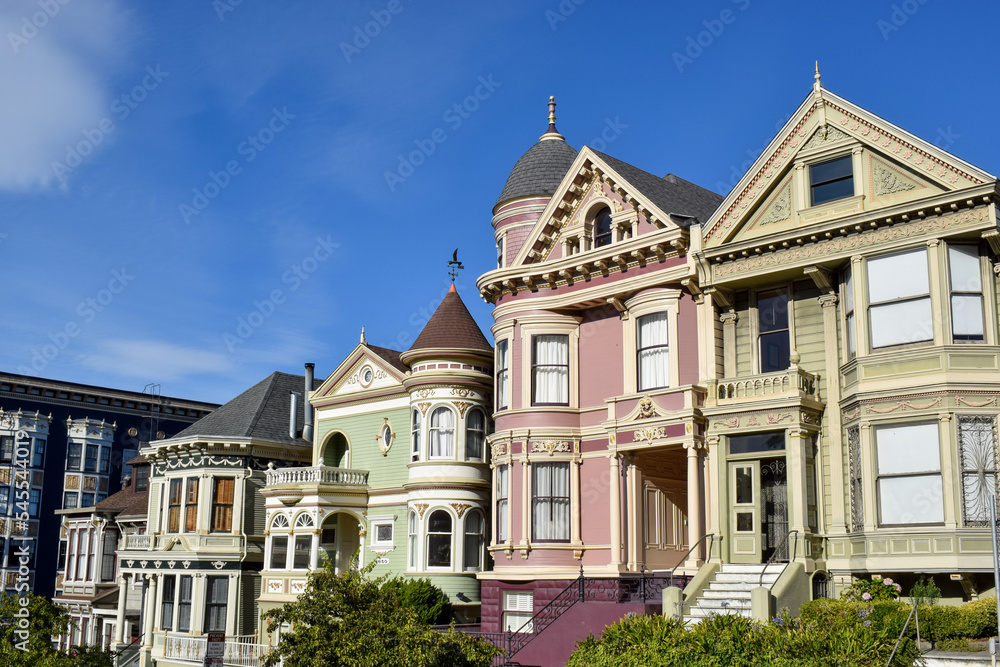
710,537
129,654
240,651
795,543
913,612
317,475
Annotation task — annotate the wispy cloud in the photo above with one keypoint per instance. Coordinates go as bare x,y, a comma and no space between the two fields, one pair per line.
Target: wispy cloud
54,70
148,359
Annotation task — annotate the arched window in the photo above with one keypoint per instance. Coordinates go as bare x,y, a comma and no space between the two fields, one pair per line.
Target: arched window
303,521
415,436
475,435
603,234
411,540
475,527
279,521
439,539
442,433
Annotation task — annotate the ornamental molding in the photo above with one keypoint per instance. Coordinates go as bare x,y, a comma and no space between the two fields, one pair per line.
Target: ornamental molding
780,208
648,434
552,446
218,565
887,181
423,393
647,409
423,408
421,508
460,508
462,407
903,405
964,400
463,392
499,449
825,134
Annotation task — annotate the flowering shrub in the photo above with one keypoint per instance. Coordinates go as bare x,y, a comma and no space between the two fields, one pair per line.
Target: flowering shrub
873,590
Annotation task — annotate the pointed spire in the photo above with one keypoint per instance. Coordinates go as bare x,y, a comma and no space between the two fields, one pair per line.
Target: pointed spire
552,132
363,341
817,85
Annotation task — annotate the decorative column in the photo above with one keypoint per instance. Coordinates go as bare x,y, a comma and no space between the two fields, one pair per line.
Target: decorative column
948,473
868,473
859,278
635,532
123,582
314,550
233,601
199,589
795,458
615,516
729,320
835,433
576,502
150,611
718,501
693,503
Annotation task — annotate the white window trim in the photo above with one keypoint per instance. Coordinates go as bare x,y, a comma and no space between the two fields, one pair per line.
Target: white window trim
648,303
932,250
425,527
465,435
375,523
456,425
541,325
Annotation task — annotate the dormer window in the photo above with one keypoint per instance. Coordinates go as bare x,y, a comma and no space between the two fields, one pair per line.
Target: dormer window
830,180
603,233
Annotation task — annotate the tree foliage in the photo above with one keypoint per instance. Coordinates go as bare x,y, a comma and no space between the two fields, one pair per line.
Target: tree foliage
420,595
351,620
26,633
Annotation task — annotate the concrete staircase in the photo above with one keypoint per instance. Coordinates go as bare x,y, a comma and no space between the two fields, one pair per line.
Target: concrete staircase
729,592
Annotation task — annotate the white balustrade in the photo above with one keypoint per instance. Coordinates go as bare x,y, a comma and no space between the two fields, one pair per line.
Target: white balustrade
317,475
138,542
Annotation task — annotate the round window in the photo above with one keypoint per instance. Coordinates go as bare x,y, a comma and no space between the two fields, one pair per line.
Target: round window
366,376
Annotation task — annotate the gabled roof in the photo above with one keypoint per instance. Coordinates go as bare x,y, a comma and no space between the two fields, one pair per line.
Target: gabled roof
260,412
127,502
451,327
389,356
671,194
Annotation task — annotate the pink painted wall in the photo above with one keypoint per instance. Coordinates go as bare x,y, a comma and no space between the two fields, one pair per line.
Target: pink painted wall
601,364
687,333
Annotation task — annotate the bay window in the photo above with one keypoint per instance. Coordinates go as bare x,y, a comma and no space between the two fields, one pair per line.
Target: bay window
501,499
909,485
90,463
222,505
475,435
439,539
167,607
966,293
74,453
303,552
503,374
442,433
899,302
191,505
279,552
652,352
849,312
550,502
550,370
216,600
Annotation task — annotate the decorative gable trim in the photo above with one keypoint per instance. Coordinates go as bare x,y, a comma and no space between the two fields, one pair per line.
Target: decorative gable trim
347,374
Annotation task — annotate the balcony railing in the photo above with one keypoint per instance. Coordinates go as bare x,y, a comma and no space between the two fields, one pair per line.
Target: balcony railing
791,382
137,542
317,475
239,651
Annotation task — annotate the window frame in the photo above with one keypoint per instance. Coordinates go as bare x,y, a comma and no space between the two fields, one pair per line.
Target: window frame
432,429
478,537
376,542
929,474
90,462
952,293
870,305
849,159
191,490
225,526
502,381
475,434
597,236
535,366
71,447
185,603
175,492
639,349
412,539
38,452
502,503
221,608
431,534
136,477
416,425
551,500
789,329
507,612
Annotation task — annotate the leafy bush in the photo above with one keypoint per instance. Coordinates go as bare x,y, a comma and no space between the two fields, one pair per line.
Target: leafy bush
872,590
958,645
735,641
420,595
925,592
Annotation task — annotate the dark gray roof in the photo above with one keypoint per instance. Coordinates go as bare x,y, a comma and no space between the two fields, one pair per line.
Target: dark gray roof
539,171
261,412
670,193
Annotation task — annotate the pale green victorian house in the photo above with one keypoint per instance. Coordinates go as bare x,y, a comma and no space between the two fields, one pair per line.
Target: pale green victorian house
400,472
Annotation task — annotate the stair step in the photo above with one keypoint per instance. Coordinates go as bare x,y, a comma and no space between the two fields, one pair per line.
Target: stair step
725,595
747,569
698,613
745,578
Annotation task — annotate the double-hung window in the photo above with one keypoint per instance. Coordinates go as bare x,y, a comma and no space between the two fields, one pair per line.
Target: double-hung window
141,474
302,552
216,599
411,539
174,506
7,449
773,343
503,374
832,179
184,604
191,505
415,436
167,608
74,454
222,505
279,552
550,369
909,474
105,459
474,528
849,312
442,434
653,358
90,463
475,435
966,293
550,502
503,481
899,302
38,453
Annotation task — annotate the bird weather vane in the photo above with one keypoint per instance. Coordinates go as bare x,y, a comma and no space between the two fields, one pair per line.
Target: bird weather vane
454,266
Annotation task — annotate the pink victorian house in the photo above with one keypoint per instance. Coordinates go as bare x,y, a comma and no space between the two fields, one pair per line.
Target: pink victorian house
597,456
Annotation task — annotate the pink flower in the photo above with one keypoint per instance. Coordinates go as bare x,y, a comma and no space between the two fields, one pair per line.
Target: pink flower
887,581
866,597
899,589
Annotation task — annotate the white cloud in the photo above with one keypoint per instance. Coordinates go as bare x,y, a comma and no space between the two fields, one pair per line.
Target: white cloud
154,360
54,69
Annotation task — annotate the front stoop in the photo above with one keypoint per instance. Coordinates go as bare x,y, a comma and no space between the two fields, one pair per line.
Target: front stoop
729,592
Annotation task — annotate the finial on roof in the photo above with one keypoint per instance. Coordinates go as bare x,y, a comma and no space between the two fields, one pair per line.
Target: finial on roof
816,86
454,266
363,334
552,132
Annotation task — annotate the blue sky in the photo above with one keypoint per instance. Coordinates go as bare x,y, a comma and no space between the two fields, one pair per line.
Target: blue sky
195,193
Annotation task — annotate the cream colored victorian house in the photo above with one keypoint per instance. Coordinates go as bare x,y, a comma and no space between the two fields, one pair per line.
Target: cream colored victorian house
852,391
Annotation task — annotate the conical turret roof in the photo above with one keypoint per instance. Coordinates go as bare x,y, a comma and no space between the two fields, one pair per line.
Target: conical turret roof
451,327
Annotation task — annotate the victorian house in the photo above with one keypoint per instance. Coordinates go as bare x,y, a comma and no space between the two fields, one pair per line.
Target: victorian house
198,561
399,471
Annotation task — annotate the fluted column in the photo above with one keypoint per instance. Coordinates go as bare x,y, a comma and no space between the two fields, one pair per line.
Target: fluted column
123,581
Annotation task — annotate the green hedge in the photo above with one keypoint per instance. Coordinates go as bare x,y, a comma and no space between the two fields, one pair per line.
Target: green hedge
735,641
973,620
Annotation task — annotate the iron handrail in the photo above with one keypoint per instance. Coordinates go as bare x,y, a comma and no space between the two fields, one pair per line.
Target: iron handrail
760,582
710,537
134,642
903,631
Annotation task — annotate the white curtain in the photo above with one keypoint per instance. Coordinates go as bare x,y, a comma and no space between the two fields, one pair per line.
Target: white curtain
502,503
503,383
551,361
442,433
550,501
654,355
909,465
890,279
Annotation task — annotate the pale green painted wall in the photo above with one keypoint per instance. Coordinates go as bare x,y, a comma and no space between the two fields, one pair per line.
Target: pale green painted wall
385,472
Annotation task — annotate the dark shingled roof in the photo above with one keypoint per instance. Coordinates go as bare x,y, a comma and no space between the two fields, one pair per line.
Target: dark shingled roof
670,193
451,326
389,356
261,412
539,171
